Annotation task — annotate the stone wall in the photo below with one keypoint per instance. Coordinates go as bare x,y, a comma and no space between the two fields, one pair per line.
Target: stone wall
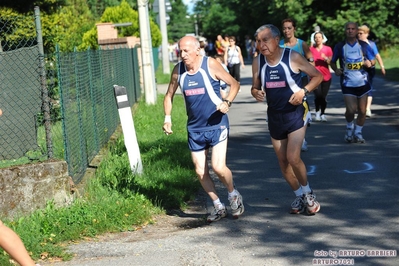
27,188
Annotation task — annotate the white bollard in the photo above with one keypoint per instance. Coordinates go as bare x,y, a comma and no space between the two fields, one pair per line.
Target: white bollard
129,133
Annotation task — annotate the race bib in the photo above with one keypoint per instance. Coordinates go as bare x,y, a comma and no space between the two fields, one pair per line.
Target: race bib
354,66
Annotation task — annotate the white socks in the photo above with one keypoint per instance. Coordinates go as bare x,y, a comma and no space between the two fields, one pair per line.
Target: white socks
358,129
217,203
233,193
298,192
302,190
306,189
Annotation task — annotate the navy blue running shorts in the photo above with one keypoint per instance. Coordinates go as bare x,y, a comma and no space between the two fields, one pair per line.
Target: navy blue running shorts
199,141
283,123
359,92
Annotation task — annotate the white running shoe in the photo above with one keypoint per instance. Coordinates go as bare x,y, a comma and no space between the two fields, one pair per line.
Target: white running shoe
318,117
217,214
298,205
312,205
323,118
358,138
237,205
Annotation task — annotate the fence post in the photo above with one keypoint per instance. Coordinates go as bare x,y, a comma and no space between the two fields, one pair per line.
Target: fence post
43,82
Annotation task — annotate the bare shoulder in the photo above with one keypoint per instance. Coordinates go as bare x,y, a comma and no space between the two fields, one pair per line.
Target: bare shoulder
295,56
213,64
305,45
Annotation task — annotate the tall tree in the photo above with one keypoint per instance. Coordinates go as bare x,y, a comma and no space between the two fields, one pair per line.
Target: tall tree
180,22
219,20
74,20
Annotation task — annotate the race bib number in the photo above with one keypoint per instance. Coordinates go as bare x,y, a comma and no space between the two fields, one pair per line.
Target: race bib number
354,66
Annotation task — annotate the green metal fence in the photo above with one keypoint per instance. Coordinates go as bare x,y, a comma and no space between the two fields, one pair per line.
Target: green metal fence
20,91
61,105
88,106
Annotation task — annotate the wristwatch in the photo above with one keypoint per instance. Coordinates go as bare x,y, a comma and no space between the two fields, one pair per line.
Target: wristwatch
306,91
228,102
311,60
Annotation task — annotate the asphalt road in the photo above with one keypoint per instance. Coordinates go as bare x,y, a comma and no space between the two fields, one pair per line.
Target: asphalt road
357,186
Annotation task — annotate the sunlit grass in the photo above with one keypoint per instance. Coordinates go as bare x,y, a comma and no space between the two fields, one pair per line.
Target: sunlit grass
390,57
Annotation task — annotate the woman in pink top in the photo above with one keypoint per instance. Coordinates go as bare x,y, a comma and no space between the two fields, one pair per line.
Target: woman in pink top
322,55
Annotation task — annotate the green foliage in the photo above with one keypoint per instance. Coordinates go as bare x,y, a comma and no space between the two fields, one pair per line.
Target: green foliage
180,24
89,40
71,24
73,20
17,30
122,14
100,211
26,6
98,7
225,19
65,27
383,17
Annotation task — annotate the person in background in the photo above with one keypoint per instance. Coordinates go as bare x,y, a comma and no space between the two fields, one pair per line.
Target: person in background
210,49
219,45
202,48
255,50
207,124
226,42
233,59
353,55
248,46
322,55
363,34
316,29
223,85
278,71
300,46
14,246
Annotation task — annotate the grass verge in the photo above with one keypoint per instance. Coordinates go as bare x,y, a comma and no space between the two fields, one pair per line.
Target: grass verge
390,57
116,200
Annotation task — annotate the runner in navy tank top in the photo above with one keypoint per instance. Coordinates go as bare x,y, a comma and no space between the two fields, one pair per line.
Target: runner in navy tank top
278,72
291,41
208,126
202,94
